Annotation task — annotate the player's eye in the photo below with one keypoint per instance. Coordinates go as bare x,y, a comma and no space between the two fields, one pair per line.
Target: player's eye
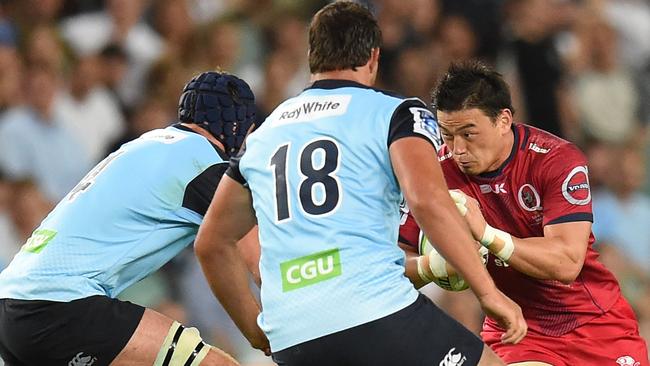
469,135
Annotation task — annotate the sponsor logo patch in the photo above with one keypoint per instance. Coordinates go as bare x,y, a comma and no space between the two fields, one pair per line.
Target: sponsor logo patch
453,359
529,198
80,360
424,123
306,109
575,187
39,240
627,361
538,149
164,136
310,269
496,188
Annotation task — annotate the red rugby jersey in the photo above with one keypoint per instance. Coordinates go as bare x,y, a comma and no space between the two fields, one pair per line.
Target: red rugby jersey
543,182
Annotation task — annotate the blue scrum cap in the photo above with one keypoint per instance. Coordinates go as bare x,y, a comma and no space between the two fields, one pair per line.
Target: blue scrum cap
222,104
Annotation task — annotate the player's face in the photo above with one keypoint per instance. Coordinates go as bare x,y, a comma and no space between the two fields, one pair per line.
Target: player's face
478,143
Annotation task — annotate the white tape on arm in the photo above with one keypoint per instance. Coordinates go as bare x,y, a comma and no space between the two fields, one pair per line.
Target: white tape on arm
498,242
422,272
460,200
438,265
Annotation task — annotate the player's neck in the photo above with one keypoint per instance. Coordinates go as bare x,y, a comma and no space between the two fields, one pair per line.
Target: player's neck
358,76
365,74
506,151
205,134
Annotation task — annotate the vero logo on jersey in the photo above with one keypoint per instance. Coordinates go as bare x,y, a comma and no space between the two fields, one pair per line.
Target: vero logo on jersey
310,269
575,187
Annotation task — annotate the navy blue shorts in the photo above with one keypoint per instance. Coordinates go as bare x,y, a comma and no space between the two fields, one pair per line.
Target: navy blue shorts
419,335
88,331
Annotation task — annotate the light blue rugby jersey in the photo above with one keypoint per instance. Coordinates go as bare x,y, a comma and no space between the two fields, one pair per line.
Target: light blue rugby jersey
127,217
327,205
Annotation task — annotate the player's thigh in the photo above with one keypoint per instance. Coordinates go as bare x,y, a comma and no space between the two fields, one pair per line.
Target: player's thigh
530,363
85,331
489,358
160,341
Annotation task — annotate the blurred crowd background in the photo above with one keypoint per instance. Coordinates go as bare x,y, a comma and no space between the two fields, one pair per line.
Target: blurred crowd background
80,77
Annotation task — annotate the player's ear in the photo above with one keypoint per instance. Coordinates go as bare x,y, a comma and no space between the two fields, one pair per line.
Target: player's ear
504,120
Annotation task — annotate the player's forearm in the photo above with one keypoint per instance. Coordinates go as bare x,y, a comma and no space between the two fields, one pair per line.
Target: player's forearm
546,259
227,276
411,269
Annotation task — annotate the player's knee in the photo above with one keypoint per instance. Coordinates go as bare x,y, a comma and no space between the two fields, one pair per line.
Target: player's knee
182,346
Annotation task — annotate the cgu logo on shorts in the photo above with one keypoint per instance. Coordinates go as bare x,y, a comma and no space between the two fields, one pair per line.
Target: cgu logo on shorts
627,361
310,269
453,359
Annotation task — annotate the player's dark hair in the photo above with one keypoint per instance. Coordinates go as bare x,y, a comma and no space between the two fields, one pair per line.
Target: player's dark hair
472,84
342,36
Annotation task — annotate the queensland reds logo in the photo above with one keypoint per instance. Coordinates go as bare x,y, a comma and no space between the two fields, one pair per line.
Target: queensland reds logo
529,198
575,188
627,361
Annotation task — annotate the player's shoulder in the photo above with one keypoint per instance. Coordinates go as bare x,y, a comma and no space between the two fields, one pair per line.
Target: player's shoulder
543,147
176,146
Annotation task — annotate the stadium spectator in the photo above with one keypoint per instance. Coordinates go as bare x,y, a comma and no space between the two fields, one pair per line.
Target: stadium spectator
128,216
604,89
33,143
526,197
321,172
11,92
88,110
621,210
122,24
8,236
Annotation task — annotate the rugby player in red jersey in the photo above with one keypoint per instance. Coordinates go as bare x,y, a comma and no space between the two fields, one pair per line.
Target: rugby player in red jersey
525,195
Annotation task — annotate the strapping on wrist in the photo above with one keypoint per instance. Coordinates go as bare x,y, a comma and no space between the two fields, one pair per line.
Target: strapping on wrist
498,242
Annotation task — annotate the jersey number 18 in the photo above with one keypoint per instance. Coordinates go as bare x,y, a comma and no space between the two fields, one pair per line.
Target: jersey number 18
319,173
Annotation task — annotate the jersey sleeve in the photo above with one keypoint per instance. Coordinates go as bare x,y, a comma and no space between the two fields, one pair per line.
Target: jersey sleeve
233,169
409,231
566,195
200,190
413,118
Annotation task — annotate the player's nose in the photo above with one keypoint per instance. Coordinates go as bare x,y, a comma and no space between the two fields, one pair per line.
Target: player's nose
458,146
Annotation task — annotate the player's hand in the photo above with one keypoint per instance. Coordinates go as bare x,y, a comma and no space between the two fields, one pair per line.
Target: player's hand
470,209
258,340
506,313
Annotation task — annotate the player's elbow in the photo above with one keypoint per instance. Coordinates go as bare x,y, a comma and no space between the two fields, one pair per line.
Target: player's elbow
205,250
424,202
567,274
202,250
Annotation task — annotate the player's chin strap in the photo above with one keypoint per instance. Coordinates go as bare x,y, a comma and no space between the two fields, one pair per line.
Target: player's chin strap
497,241
182,346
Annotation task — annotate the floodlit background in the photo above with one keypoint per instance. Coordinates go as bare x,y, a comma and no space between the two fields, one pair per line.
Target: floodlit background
80,77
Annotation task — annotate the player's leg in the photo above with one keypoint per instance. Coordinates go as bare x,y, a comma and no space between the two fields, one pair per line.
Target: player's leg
530,363
489,358
160,341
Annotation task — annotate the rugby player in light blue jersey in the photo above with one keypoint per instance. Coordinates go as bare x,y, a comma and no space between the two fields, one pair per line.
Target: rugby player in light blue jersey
323,178
128,216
